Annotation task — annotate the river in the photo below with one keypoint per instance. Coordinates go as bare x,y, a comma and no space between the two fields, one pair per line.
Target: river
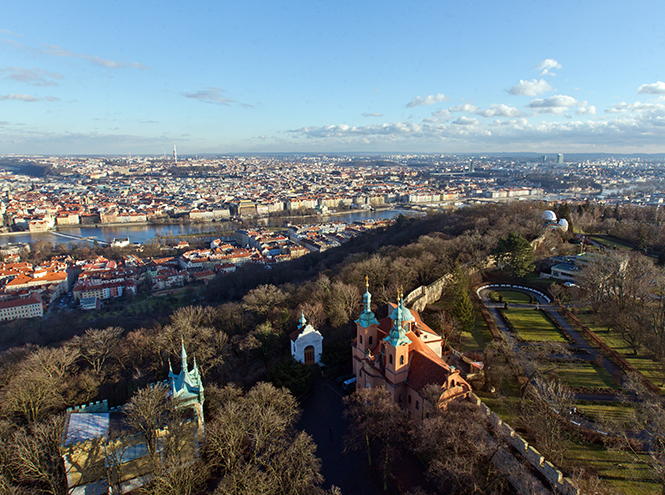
143,233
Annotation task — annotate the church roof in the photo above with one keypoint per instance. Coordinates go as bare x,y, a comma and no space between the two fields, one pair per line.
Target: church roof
302,331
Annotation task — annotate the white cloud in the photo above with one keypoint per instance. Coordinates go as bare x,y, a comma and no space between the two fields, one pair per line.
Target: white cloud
27,98
637,107
586,110
464,107
441,113
500,110
530,88
547,65
58,51
657,88
374,114
556,105
210,95
36,77
464,120
428,100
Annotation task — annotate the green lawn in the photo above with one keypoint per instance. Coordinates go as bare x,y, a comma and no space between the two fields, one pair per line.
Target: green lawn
624,472
510,296
642,362
533,326
609,244
577,375
601,413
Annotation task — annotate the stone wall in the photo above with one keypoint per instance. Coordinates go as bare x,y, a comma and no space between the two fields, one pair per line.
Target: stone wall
427,294
559,482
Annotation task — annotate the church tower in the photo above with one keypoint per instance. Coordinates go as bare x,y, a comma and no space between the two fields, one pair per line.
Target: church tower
187,387
396,344
366,325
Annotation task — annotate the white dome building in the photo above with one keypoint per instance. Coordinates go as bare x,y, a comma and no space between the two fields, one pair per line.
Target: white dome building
549,216
563,225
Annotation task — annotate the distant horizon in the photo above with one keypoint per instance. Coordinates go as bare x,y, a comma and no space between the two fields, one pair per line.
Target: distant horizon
373,154
81,78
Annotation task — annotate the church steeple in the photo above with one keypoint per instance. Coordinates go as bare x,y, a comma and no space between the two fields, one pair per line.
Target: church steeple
302,322
367,317
397,335
183,354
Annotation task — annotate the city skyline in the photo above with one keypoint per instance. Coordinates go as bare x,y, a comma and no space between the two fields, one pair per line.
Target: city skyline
258,77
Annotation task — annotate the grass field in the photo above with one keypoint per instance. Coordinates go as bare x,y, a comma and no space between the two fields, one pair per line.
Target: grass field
642,362
479,338
602,413
533,326
609,244
624,472
510,296
577,375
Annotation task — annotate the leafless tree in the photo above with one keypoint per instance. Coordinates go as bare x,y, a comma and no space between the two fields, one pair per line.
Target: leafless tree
96,345
459,449
544,413
377,423
148,411
36,457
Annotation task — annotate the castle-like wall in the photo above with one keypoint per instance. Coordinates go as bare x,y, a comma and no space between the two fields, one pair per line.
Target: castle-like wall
559,482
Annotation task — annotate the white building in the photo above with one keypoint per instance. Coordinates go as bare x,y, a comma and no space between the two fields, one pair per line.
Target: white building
306,343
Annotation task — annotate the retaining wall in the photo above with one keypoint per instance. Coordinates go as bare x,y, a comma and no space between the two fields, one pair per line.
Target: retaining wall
427,294
559,482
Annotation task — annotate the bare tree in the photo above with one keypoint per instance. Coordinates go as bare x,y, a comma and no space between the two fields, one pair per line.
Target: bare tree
459,450
377,423
97,345
36,457
148,411
544,415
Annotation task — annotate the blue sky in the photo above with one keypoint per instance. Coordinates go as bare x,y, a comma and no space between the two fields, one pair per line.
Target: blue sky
118,77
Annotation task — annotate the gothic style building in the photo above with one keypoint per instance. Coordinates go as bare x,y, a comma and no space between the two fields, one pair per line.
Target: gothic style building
403,355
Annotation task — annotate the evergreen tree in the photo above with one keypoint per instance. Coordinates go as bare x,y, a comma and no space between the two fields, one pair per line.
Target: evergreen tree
462,306
516,254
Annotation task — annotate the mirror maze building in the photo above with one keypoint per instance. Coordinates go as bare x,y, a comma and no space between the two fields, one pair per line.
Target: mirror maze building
103,455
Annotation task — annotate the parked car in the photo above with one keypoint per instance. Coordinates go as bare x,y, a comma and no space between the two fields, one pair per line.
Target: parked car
342,378
349,385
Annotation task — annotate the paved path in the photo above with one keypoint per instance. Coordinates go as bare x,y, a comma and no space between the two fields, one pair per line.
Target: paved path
322,410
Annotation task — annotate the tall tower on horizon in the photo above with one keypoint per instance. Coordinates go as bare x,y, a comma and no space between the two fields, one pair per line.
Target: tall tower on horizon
175,155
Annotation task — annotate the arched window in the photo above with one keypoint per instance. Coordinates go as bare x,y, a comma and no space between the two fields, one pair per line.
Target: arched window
452,383
361,339
370,340
417,405
390,358
401,360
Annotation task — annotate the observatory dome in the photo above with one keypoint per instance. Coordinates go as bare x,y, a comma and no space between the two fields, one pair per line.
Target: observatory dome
563,224
549,216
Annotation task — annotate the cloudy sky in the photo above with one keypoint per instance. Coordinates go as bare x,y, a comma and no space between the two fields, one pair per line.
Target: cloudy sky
118,77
